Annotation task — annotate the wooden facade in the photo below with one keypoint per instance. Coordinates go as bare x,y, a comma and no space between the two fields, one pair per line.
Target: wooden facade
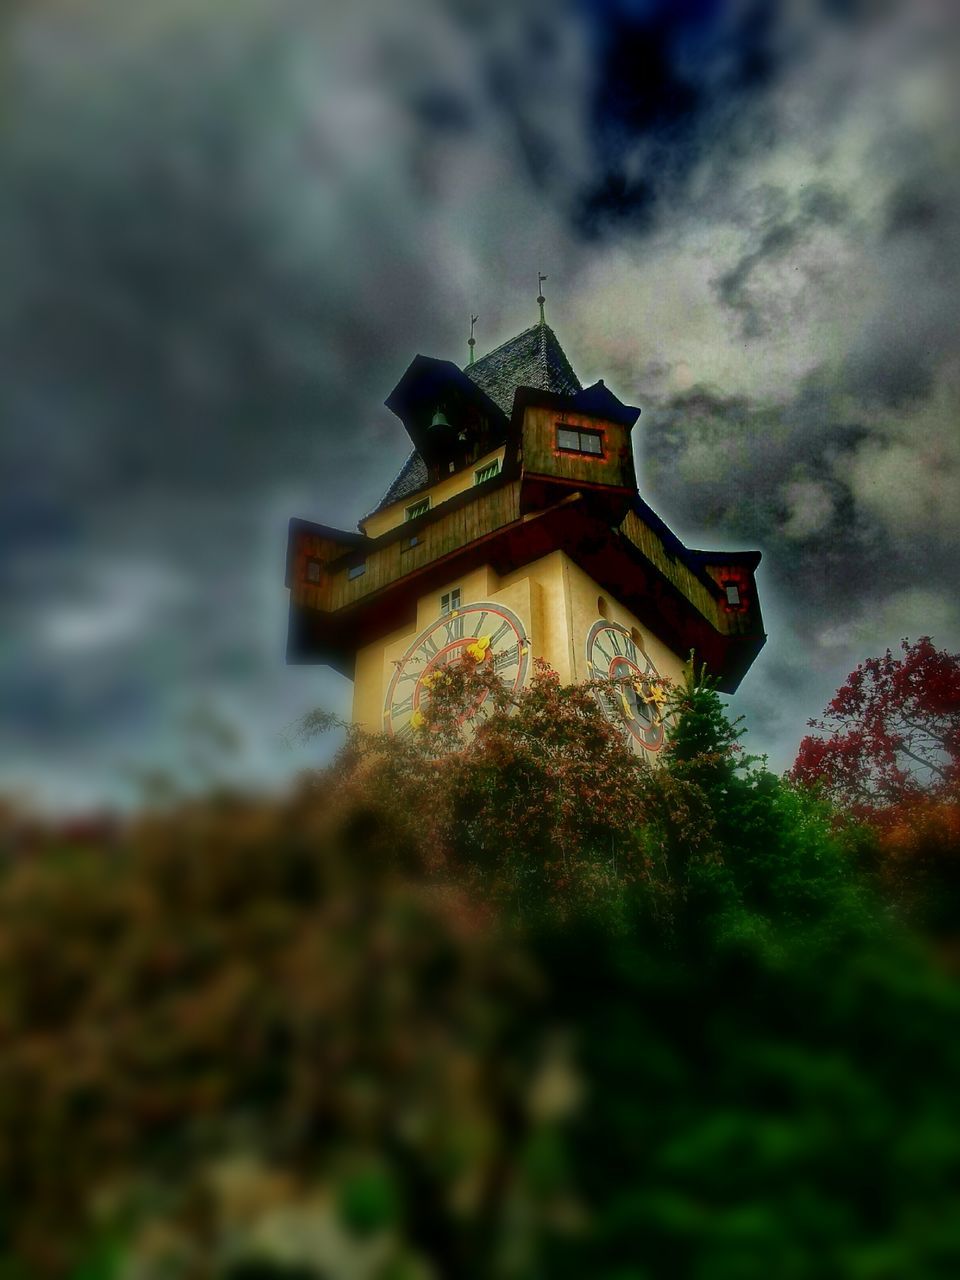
555,490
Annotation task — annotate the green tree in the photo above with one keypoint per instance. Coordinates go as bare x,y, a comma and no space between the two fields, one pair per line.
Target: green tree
521,1007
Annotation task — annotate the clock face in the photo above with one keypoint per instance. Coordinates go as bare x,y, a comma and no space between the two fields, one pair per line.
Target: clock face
486,632
634,704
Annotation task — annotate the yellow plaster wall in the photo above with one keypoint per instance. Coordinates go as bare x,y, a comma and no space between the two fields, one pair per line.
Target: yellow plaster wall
551,640
374,525
584,595
555,600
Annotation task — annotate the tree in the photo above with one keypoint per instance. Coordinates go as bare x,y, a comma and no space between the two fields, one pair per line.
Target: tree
890,735
532,798
526,1007
891,760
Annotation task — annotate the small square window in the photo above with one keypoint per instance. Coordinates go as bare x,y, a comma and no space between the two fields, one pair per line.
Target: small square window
487,472
450,601
409,543
357,570
418,509
733,593
313,570
580,440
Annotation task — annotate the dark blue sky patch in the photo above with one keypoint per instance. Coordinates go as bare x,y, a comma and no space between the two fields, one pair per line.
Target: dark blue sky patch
666,76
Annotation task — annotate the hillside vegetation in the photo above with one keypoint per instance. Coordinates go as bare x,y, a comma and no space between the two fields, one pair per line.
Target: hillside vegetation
497,1001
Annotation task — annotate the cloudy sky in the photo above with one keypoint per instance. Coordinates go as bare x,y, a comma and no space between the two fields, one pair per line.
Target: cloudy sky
226,226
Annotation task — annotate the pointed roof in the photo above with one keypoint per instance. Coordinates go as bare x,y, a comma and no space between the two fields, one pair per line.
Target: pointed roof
533,358
413,477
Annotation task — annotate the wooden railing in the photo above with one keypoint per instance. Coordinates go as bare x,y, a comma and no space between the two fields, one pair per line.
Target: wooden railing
684,579
438,538
472,520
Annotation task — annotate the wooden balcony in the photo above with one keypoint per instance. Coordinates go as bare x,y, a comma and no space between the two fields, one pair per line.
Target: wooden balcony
371,587
409,548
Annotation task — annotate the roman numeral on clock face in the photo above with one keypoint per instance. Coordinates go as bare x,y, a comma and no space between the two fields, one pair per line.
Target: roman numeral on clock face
400,708
504,627
598,647
508,658
454,628
490,630
428,647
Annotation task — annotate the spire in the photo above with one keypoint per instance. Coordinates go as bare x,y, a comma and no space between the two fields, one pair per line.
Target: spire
541,299
471,341
533,358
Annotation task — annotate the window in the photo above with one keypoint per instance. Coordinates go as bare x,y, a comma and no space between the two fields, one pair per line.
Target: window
450,601
357,570
733,594
579,440
409,543
487,472
418,509
313,570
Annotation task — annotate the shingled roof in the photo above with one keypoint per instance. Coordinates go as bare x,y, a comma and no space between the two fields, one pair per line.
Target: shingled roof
533,358
413,476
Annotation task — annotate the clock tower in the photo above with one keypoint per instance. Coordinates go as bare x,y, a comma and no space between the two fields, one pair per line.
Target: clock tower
515,531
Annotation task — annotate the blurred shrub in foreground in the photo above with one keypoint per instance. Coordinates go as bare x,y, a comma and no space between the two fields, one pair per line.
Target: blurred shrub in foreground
524,1007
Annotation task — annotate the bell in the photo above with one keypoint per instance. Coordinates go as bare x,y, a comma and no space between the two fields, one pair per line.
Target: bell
439,420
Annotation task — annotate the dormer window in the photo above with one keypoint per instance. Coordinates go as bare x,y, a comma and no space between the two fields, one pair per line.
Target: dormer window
580,440
417,509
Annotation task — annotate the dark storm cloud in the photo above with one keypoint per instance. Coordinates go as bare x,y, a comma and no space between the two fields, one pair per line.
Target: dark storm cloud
225,228
221,240
819,204
671,80
736,465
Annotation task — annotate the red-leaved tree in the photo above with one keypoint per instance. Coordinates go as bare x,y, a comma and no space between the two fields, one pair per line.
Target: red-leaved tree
888,753
891,735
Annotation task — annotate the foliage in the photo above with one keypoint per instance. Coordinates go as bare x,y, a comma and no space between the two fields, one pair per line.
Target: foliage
891,758
544,766
425,1017
893,732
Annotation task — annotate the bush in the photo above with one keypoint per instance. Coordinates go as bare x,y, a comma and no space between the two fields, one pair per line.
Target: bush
520,1007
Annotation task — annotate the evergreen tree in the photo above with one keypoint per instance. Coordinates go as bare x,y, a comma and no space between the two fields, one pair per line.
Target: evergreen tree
527,1008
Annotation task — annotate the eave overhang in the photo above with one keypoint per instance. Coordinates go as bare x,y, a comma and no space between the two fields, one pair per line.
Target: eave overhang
344,538
595,401
614,562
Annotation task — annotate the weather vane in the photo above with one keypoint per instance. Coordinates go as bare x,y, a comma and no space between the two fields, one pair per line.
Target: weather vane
471,341
541,299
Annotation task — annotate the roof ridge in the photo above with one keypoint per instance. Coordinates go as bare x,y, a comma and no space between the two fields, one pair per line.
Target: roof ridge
543,346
